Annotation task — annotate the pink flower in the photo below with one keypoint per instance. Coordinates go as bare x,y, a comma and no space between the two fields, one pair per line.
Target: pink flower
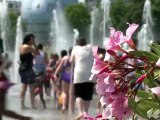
86,116
119,110
107,112
101,87
114,41
112,53
98,65
94,51
118,95
104,100
109,81
158,63
129,32
156,90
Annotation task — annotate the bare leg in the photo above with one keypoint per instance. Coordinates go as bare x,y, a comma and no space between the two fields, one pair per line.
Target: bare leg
2,102
9,113
71,99
31,88
54,87
80,106
42,99
22,95
65,90
12,114
86,106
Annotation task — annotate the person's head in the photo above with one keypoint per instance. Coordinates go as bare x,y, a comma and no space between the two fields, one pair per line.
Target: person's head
54,57
63,53
28,39
81,41
101,53
40,46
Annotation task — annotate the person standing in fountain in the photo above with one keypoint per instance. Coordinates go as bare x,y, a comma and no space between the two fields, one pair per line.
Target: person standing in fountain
82,58
65,68
27,53
40,64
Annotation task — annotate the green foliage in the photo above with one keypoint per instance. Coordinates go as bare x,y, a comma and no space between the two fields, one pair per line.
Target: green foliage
117,12
148,55
147,103
13,15
123,12
131,11
156,11
78,16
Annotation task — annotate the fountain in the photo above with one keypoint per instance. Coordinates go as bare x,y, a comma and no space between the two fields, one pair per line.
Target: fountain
76,36
145,36
106,17
4,23
62,37
18,42
93,18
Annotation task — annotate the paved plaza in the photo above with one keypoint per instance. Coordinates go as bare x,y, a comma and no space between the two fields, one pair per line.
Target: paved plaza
51,113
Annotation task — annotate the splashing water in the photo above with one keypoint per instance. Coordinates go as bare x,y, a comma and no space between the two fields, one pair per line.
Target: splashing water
76,36
145,36
106,17
4,23
63,37
93,17
19,38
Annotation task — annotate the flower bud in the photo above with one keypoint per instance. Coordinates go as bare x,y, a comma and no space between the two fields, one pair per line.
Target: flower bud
140,79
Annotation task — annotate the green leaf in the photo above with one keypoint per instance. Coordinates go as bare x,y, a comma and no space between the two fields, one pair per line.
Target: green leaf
156,48
143,94
138,108
149,103
142,106
150,56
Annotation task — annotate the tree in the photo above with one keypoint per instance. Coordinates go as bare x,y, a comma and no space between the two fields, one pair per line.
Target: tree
126,11
78,16
117,12
156,17
13,15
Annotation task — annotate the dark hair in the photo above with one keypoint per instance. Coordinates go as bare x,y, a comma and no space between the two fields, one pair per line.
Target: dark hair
27,38
81,41
63,53
55,55
40,46
101,50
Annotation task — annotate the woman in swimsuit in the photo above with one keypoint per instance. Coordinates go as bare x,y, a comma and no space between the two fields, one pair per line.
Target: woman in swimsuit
65,68
27,53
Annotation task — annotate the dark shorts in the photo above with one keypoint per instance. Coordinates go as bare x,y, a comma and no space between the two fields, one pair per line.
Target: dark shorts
27,76
84,90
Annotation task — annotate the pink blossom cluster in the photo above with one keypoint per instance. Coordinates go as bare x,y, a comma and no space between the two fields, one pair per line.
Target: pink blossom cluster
116,80
114,76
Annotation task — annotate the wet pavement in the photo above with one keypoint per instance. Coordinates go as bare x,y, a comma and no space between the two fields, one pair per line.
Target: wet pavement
50,113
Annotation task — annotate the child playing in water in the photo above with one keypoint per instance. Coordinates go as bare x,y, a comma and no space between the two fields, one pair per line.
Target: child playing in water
39,88
4,86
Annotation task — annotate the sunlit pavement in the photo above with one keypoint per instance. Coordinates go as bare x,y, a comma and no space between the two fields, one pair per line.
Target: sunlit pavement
50,113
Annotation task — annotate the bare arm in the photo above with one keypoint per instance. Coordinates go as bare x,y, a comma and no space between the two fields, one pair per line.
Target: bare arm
59,67
35,50
46,57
